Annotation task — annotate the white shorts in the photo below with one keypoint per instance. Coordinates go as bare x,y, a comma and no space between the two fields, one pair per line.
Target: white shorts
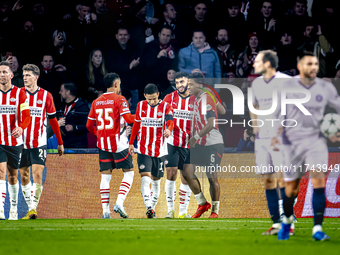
266,159
308,154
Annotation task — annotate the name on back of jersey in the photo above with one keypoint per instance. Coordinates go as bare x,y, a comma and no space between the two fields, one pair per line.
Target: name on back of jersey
106,102
8,109
182,114
152,122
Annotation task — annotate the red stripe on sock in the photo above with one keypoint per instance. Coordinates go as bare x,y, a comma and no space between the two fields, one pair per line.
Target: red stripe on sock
182,203
123,185
101,193
104,189
127,183
121,193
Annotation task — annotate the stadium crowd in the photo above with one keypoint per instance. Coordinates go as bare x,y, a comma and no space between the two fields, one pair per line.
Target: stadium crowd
76,43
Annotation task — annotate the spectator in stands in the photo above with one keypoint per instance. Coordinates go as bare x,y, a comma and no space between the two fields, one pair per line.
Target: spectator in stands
51,78
315,41
141,30
247,142
73,117
170,83
245,61
226,53
287,54
200,57
81,30
299,19
158,57
124,58
17,79
95,72
107,22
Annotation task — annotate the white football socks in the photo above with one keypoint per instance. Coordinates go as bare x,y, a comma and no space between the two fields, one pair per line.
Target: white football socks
170,189
145,190
215,206
13,191
105,192
200,198
125,187
155,191
27,192
184,198
2,194
37,190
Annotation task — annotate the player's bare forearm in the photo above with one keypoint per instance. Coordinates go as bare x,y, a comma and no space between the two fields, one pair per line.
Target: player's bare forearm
220,109
208,127
131,150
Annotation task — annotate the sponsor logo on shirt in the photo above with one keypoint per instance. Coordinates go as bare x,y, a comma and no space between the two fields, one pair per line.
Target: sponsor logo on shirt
152,122
36,111
9,109
181,114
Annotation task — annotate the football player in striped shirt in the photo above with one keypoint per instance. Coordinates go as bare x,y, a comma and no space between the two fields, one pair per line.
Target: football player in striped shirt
14,119
41,104
154,122
206,146
106,112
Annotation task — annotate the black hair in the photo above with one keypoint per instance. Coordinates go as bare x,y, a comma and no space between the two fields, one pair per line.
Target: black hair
166,26
72,88
198,30
271,56
180,75
109,78
5,63
151,89
197,77
303,54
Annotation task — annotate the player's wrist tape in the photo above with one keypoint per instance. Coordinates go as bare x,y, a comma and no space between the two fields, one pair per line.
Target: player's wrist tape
197,137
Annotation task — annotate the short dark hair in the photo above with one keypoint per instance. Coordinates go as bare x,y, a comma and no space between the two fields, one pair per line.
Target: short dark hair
303,54
5,63
122,28
151,89
166,26
197,30
197,77
234,3
71,87
271,56
109,78
32,68
180,75
300,2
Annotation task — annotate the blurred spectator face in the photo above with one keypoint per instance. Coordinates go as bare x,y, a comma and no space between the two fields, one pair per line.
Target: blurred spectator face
309,66
259,67
83,11
299,9
100,6
142,12
286,39
122,36
170,12
4,8
171,75
200,11
28,27
266,9
233,11
164,36
38,9
308,31
15,64
253,42
47,62
199,40
63,93
97,58
59,40
329,10
222,37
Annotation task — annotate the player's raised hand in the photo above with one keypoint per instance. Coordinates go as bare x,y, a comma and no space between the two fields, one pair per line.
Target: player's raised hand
17,132
60,150
131,150
274,143
335,138
167,133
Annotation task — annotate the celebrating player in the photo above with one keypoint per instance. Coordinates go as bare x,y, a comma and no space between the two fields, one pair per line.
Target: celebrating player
15,117
154,122
265,64
303,145
40,103
206,147
178,145
106,112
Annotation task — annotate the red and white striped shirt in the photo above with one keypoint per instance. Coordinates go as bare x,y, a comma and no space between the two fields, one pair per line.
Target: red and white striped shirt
106,111
183,115
10,102
202,103
40,103
151,140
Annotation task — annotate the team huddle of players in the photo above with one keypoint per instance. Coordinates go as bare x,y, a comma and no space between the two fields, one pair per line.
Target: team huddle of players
178,132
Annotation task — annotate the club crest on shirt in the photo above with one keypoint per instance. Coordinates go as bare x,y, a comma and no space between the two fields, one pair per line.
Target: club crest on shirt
159,113
13,99
39,101
318,98
191,106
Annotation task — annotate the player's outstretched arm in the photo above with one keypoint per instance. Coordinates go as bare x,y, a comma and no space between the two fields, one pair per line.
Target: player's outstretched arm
134,132
129,118
90,127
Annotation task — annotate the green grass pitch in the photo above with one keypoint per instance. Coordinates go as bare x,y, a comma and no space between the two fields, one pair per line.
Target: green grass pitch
160,236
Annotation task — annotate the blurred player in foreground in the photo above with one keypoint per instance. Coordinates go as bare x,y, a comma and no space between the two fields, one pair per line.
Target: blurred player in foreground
153,124
106,112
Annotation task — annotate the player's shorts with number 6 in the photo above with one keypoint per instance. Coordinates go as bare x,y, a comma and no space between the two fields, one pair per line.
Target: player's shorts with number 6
33,156
205,155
